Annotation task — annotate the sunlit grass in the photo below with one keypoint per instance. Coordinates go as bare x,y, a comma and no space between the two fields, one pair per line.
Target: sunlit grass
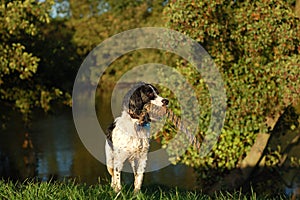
71,190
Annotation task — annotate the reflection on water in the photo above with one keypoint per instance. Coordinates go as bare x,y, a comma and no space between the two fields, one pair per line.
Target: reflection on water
55,142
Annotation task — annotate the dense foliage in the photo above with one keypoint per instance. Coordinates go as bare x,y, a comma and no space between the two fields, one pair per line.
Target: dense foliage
256,46
107,18
21,23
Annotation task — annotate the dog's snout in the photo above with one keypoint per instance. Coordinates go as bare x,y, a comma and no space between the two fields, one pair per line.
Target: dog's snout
165,102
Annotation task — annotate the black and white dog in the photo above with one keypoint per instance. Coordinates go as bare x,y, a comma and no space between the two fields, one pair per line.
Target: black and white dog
128,136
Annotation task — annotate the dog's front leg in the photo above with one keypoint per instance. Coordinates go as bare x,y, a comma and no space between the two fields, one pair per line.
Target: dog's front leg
119,159
116,180
138,178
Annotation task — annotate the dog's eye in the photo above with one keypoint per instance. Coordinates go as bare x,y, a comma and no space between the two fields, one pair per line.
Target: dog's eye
150,95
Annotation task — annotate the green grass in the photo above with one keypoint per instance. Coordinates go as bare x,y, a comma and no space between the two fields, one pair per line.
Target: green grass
71,190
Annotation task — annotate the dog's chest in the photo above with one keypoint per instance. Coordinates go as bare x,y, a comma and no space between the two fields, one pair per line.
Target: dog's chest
130,137
130,142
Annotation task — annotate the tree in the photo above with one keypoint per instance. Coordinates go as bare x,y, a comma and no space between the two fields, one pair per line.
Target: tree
19,86
95,21
59,61
256,46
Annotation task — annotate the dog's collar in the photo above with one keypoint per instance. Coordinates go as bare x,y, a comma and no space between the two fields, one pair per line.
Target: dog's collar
146,125
143,125
142,130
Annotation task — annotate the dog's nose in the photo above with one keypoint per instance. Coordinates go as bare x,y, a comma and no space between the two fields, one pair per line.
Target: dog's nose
165,102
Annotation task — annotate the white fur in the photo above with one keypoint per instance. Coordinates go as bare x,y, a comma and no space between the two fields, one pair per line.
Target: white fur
127,144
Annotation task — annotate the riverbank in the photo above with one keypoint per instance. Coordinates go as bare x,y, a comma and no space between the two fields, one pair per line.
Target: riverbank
71,190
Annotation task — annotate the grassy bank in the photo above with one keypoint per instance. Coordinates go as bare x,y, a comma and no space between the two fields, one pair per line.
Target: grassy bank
71,190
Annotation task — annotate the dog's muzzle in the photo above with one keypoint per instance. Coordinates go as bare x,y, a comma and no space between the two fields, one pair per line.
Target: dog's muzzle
156,112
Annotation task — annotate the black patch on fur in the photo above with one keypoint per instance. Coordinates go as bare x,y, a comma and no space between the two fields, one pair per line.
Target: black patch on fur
109,131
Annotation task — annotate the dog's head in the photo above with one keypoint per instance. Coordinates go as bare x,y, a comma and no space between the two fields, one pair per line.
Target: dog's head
141,102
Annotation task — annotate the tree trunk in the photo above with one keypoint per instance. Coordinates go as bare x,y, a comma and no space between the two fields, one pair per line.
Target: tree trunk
244,169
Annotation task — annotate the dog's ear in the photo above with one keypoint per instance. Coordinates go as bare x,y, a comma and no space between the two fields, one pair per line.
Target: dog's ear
135,104
144,118
136,98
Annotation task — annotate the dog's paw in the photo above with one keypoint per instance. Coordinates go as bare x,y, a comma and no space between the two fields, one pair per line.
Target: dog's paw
117,189
136,191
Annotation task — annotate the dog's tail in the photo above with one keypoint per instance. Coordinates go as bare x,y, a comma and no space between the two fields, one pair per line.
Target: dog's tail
108,133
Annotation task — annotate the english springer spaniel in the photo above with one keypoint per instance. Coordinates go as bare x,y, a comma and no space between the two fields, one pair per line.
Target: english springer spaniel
128,136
